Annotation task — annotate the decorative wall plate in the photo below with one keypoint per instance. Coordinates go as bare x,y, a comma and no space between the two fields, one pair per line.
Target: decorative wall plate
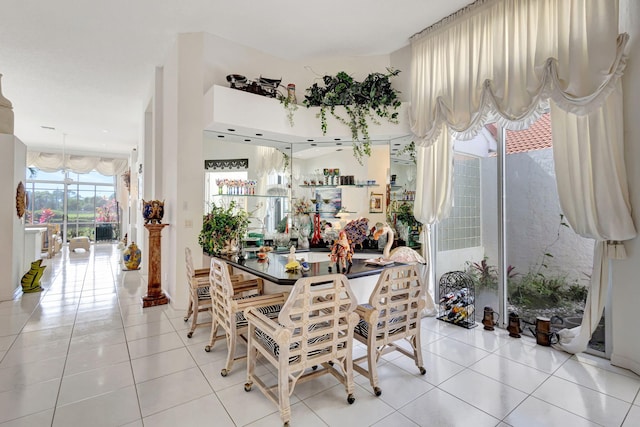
21,200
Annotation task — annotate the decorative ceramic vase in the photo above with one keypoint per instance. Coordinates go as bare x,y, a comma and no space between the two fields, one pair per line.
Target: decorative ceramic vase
6,113
153,211
291,93
132,257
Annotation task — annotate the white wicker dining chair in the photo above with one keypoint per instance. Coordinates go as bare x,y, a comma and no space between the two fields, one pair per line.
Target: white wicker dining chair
199,298
228,307
393,314
314,328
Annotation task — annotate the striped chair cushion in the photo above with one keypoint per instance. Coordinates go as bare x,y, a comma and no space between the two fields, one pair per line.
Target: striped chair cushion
362,328
203,293
270,344
271,311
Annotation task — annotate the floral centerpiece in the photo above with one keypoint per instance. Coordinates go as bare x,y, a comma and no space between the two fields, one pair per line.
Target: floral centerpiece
222,228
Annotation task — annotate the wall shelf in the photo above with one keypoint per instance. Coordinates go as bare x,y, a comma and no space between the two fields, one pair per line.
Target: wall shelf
248,113
339,186
268,196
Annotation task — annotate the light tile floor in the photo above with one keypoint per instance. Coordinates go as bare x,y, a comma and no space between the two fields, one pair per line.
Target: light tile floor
85,353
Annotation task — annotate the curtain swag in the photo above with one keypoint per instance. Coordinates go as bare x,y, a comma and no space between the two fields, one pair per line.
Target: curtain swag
502,60
52,162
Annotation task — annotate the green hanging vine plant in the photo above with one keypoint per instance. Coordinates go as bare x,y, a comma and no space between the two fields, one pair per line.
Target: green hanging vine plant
290,106
409,149
371,99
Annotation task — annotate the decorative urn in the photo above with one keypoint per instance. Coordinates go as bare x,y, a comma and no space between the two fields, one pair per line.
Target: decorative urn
132,257
153,211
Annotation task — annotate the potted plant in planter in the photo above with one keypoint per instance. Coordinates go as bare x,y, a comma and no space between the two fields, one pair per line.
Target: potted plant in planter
222,228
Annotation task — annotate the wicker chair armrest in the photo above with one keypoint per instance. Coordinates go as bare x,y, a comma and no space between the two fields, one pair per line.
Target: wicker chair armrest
199,282
237,277
201,272
259,301
368,314
262,322
241,286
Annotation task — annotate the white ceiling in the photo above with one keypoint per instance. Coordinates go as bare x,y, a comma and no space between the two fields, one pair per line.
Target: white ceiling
85,67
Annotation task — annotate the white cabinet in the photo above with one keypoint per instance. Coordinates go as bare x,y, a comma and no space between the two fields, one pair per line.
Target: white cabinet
32,245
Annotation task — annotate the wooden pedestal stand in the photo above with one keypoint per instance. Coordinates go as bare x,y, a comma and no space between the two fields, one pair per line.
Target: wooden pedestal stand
154,296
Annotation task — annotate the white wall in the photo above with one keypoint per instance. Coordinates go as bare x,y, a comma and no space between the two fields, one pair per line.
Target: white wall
181,163
13,164
533,221
626,286
354,199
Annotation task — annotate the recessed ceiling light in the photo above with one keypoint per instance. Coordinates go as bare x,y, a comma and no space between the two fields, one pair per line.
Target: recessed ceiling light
48,127
310,140
258,134
313,145
231,130
220,136
397,144
336,139
247,140
339,149
338,143
287,148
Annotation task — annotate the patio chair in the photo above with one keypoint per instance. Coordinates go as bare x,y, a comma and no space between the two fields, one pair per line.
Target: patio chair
228,308
393,314
314,328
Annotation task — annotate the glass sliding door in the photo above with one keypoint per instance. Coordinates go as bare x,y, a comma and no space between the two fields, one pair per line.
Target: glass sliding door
83,204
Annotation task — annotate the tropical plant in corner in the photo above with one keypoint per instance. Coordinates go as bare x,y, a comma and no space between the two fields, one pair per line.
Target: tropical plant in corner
370,99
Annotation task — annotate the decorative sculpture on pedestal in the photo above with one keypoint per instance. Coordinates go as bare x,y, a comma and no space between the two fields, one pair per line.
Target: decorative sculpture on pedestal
153,211
154,296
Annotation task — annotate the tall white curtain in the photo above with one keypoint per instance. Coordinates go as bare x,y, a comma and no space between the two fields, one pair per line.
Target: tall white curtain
503,60
592,184
52,162
434,186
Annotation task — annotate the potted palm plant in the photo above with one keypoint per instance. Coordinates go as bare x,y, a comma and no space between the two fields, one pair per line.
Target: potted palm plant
222,228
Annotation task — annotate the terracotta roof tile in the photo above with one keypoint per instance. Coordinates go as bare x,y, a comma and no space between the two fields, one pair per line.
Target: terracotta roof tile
537,137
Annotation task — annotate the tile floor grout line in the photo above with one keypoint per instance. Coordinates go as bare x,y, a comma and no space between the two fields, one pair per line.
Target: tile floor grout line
64,366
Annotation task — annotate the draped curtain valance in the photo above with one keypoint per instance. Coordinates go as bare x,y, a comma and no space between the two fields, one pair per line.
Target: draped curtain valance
51,162
504,59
